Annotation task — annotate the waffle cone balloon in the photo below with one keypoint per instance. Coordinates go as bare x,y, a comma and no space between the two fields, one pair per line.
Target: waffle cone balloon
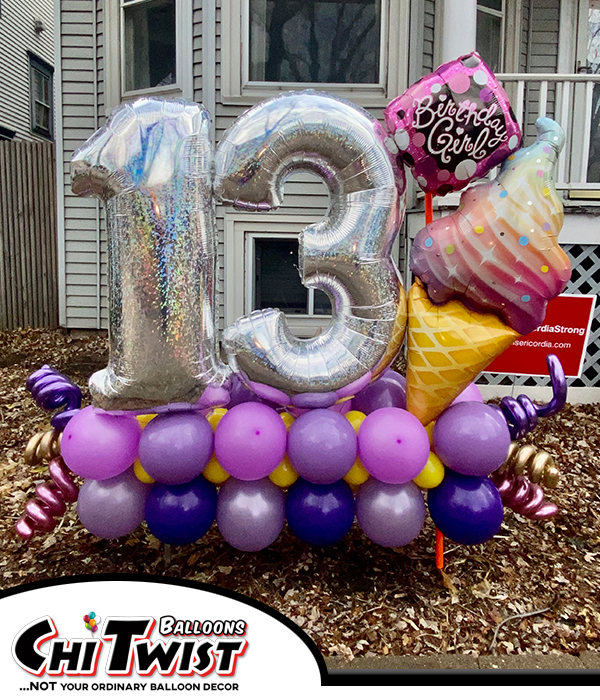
447,348
499,251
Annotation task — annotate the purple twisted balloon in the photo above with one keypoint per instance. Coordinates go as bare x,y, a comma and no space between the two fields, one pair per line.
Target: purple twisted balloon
524,497
522,414
52,390
50,501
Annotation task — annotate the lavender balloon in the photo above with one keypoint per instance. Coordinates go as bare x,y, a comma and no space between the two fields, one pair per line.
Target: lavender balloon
113,507
98,445
175,447
391,515
471,393
393,445
385,392
250,514
250,441
471,438
322,446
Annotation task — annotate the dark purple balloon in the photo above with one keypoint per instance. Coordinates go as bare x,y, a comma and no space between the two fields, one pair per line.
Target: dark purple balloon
386,392
250,514
181,513
240,393
322,446
467,509
112,507
472,438
391,515
175,447
320,514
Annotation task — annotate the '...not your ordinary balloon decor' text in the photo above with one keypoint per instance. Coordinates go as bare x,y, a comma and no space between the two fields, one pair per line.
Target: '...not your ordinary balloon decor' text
317,432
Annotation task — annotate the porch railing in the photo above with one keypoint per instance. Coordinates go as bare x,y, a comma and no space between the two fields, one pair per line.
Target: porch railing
574,102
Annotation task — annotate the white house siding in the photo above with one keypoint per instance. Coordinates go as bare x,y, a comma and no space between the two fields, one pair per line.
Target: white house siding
17,36
77,81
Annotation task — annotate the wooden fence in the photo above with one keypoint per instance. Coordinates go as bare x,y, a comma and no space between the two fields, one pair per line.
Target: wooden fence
28,235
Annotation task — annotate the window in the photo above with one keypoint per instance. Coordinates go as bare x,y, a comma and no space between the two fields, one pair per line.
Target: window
315,41
490,33
41,95
149,46
355,48
277,282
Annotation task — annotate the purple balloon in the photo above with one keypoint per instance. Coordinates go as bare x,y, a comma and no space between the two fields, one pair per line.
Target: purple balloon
395,376
322,446
393,445
385,392
250,514
467,509
471,438
112,507
239,393
250,441
391,515
471,393
175,447
98,445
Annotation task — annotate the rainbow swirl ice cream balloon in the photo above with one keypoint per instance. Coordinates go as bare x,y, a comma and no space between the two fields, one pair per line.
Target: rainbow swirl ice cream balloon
499,251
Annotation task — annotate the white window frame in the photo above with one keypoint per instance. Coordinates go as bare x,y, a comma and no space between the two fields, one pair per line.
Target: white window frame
502,15
115,92
241,230
236,88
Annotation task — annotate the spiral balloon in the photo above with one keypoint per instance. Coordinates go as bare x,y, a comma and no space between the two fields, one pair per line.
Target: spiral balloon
525,498
537,465
522,414
50,501
43,445
52,390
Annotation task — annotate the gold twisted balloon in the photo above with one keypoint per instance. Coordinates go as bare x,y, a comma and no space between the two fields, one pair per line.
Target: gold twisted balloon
536,464
44,445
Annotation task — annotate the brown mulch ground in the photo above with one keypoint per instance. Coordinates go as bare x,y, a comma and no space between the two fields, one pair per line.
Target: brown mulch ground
355,598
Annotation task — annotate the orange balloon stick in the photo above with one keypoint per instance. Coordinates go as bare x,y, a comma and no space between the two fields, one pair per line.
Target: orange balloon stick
428,207
439,549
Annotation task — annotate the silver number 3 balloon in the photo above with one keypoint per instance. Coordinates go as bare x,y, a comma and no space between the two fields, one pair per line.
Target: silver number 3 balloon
152,165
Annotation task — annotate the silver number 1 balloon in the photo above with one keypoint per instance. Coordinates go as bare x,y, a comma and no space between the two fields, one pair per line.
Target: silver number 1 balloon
347,254
152,166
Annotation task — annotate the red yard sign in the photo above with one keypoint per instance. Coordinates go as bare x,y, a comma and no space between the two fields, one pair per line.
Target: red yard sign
564,333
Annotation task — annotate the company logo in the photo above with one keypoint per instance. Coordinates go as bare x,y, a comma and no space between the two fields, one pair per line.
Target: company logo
191,647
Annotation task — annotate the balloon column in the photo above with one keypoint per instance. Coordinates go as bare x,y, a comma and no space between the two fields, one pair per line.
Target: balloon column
320,432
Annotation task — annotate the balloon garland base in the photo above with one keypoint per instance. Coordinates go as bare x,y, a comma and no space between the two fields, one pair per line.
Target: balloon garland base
253,468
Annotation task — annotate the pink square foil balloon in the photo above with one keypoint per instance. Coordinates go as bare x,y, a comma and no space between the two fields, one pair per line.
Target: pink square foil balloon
453,126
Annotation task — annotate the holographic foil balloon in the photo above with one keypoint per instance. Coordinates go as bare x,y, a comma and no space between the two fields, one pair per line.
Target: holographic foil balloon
151,164
346,255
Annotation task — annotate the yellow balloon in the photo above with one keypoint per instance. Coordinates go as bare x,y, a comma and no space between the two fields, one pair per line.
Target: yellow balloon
429,428
215,417
141,473
287,419
356,418
284,475
432,474
145,419
357,474
213,471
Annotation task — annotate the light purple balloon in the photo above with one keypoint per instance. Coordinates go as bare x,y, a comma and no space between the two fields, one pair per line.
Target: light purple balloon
175,447
250,514
471,438
391,515
385,392
113,507
471,393
250,441
98,445
393,445
322,446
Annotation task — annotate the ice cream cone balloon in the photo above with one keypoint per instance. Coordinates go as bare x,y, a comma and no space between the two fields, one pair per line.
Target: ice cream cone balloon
499,251
448,346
